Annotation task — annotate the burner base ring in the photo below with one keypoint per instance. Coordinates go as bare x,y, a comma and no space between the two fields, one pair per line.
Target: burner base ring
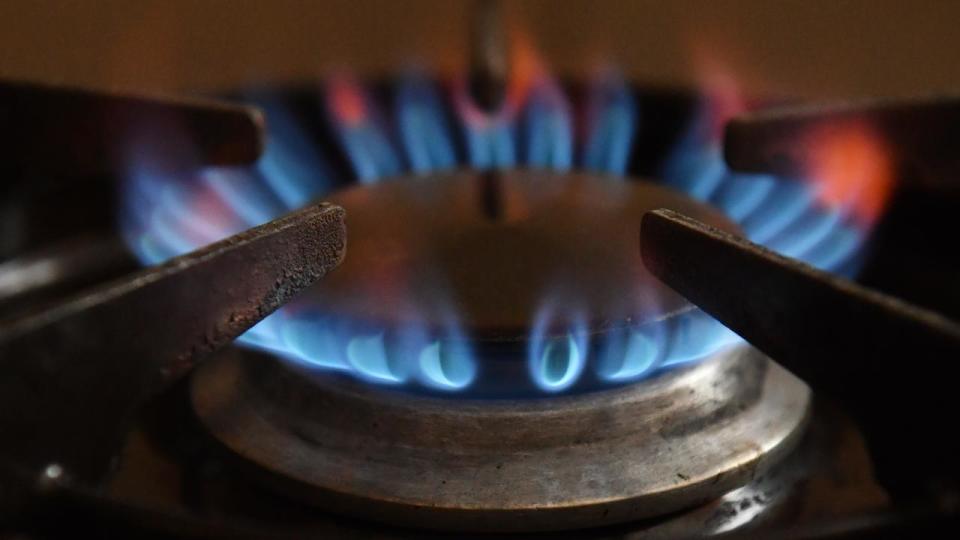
664,444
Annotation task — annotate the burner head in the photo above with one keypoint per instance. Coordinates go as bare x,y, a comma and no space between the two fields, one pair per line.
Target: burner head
495,247
534,279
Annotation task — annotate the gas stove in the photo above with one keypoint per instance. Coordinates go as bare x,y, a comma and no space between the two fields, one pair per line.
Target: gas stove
525,307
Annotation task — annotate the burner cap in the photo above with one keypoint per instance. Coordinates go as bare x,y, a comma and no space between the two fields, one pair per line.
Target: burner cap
493,248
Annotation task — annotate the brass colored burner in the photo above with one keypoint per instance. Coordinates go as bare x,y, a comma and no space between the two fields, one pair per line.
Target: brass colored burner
661,445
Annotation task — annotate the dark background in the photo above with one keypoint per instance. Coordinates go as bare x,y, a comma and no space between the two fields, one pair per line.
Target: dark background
808,48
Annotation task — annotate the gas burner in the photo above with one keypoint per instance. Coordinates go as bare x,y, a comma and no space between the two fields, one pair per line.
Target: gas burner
440,292
647,449
496,354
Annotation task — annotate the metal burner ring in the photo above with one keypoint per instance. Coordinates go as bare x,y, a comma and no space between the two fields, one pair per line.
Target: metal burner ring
661,445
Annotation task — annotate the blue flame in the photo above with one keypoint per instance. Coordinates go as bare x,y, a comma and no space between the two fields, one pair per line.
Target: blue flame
632,353
555,363
355,118
367,353
781,214
611,120
549,131
291,165
740,195
695,335
313,340
309,337
424,130
164,217
490,144
490,137
449,362
448,365
160,222
699,172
